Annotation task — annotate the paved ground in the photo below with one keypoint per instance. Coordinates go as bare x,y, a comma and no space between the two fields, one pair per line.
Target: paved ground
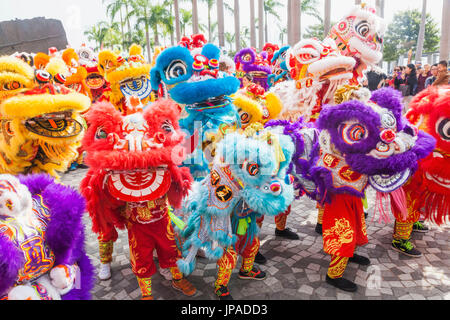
297,269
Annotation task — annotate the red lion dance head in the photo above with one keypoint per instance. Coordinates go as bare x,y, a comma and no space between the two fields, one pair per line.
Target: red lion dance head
133,158
430,112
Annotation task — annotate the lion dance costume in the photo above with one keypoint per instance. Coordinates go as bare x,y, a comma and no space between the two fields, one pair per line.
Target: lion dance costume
362,143
248,179
132,180
41,125
427,192
42,255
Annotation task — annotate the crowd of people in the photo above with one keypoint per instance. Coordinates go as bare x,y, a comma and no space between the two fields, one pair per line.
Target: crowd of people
410,79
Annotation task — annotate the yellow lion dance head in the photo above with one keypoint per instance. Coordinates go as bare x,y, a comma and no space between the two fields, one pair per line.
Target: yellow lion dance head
128,77
40,123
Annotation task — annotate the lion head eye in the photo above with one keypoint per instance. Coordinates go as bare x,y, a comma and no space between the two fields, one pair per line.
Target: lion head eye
167,126
100,134
443,128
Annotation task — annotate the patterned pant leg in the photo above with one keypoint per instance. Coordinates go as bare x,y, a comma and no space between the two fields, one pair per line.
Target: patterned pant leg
145,284
337,266
226,265
248,255
403,227
320,210
280,220
106,241
402,230
176,273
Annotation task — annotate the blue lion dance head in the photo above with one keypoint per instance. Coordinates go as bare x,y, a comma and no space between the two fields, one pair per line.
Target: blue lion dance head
195,81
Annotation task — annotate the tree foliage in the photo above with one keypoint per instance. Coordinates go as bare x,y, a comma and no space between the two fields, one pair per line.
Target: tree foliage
403,31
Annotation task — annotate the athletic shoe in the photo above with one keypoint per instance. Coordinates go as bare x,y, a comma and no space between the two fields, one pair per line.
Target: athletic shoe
223,293
260,259
104,272
342,284
165,273
363,261
420,227
184,286
286,233
406,247
254,274
318,228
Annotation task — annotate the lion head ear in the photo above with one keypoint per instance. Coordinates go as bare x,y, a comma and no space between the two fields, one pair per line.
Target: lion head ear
41,60
135,50
68,55
107,60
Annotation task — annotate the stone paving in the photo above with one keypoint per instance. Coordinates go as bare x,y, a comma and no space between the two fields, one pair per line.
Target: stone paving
296,269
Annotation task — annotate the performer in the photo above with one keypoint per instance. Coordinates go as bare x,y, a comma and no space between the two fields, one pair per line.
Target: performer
427,192
41,118
42,249
356,143
132,180
248,174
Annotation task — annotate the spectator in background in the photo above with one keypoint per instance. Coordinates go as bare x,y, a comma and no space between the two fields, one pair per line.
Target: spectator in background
432,78
442,76
411,79
422,76
409,87
398,79
375,80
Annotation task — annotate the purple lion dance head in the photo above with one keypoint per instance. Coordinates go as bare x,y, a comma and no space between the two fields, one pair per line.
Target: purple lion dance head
42,254
368,143
248,61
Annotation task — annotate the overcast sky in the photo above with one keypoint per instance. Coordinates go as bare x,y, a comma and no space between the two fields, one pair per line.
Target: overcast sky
78,15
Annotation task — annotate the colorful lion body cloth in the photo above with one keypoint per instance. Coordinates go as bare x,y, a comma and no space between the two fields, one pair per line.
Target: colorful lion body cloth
248,179
430,186
42,255
41,125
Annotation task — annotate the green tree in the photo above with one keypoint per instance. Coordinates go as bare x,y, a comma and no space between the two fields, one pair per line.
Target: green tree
150,17
270,8
316,31
403,31
185,20
105,34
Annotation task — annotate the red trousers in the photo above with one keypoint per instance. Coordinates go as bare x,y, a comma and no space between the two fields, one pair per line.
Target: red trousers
144,238
344,225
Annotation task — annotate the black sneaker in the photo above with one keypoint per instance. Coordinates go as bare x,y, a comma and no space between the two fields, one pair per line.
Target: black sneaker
366,214
363,261
420,227
342,284
254,274
286,233
406,247
223,293
83,166
260,259
318,228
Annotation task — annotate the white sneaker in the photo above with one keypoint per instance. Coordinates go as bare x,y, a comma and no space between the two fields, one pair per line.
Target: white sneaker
166,273
104,272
